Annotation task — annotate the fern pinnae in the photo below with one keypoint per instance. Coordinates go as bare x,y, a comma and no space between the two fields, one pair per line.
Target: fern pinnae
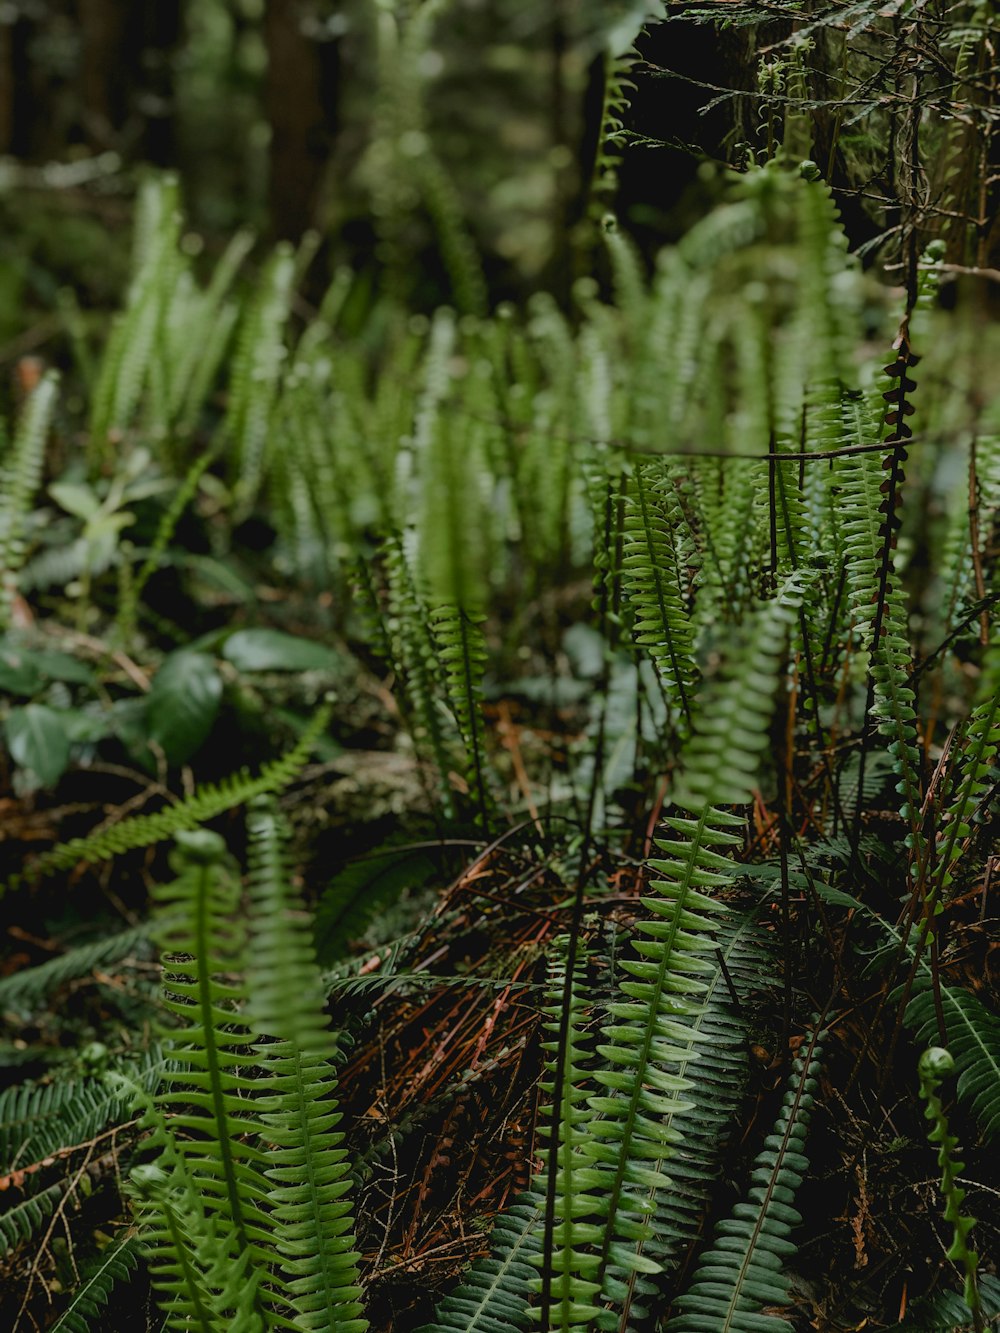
20,1221
740,1275
205,803
631,1145
256,373
650,577
21,475
116,1264
210,1043
311,1220
567,1291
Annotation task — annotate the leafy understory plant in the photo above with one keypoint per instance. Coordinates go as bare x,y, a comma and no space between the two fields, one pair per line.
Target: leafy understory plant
243,1209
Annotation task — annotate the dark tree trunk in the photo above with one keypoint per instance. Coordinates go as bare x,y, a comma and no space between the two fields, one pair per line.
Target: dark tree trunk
301,102
126,75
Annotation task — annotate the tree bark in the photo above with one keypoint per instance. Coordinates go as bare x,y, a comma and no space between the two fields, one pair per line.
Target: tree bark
301,103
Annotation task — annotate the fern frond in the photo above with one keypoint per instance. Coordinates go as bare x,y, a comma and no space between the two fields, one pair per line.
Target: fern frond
22,990
130,352
651,578
630,1146
38,1120
20,1221
973,775
307,1169
206,803
205,1089
19,481
462,651
566,1285
254,381
414,656
878,612
740,1276
494,1295
973,1033
116,1264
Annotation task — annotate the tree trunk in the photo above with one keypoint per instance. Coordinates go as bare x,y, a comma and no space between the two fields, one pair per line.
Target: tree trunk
301,102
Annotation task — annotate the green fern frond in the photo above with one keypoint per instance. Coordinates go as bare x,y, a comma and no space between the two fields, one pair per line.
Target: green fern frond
131,349
651,577
462,650
973,776
566,1285
116,1264
23,990
414,657
307,1169
19,481
973,1033
206,1089
631,1144
494,1295
740,1277
200,1282
37,1120
20,1221
878,611
206,803
255,376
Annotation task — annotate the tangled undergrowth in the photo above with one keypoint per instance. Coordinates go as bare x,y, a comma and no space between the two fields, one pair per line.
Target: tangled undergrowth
554,756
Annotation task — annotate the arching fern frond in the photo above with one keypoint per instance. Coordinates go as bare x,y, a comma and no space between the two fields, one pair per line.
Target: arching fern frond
20,1221
256,370
494,1295
23,990
739,1278
566,1285
38,1120
640,1124
206,803
116,1264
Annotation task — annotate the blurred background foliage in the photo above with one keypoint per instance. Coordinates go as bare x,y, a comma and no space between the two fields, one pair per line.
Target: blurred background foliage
287,116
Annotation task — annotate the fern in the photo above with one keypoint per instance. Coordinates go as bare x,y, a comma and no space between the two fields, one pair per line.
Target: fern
23,990
307,1170
38,1120
131,350
567,1300
116,1264
627,1149
651,576
206,803
740,1275
244,1215
973,1034
256,374
20,477
20,1221
494,1294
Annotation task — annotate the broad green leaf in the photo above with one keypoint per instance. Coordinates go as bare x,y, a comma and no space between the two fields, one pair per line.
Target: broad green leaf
60,666
273,650
183,704
18,673
37,739
75,499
